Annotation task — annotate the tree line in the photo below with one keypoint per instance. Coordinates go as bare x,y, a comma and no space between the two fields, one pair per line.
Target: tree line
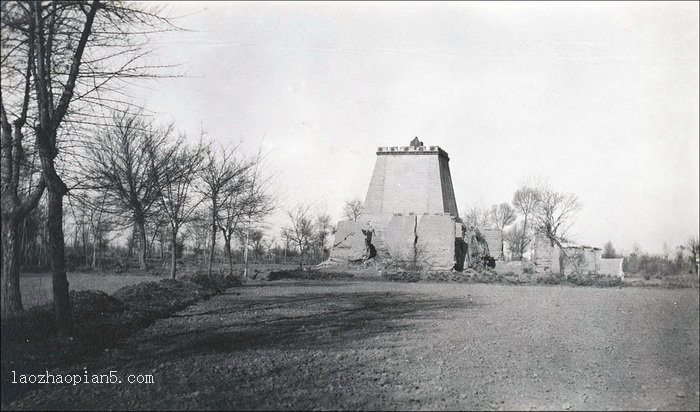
70,136
537,209
542,210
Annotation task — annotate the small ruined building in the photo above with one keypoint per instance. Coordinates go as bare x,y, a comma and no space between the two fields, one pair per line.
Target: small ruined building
568,259
409,215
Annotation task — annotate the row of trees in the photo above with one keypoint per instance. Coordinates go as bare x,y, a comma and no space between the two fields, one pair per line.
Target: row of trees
684,259
141,174
542,210
58,60
69,131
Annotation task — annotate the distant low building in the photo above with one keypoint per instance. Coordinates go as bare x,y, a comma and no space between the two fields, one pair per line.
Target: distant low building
572,259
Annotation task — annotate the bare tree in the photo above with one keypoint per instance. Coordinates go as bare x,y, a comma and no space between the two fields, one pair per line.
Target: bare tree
501,216
255,241
222,176
324,228
16,205
126,166
525,201
513,237
300,230
554,213
181,164
258,203
232,213
477,218
63,53
352,209
99,222
198,231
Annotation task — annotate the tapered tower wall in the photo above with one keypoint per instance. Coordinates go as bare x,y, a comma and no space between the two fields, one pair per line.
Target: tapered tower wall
408,180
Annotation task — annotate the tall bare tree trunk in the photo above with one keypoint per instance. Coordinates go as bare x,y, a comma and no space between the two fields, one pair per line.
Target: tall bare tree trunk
11,297
141,224
94,254
301,258
85,247
229,254
173,260
61,298
212,247
523,239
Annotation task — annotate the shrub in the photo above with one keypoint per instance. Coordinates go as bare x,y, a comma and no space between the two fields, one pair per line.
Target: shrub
401,276
452,276
307,275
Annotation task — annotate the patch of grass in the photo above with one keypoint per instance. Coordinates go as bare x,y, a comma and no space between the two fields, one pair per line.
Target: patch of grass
401,275
581,280
307,275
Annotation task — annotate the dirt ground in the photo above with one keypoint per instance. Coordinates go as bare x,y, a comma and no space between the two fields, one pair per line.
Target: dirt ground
377,345
37,288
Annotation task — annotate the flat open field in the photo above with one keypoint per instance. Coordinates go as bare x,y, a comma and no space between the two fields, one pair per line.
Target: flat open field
376,345
36,288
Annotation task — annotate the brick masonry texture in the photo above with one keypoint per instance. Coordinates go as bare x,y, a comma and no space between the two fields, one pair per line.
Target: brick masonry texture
546,256
400,236
494,238
410,193
349,243
436,241
611,267
409,183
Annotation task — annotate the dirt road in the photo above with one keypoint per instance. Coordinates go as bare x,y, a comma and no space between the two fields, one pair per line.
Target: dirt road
375,345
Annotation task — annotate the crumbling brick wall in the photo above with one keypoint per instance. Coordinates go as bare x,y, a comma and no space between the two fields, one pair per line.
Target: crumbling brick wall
494,238
423,241
351,241
436,241
611,267
546,256
400,238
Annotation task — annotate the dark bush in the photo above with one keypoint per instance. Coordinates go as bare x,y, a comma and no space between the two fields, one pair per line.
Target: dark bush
401,276
307,275
453,276
162,297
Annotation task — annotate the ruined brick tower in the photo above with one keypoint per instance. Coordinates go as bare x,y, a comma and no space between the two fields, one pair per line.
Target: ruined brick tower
410,179
409,215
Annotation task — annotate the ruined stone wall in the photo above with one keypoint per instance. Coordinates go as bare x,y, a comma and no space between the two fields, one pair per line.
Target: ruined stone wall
424,241
349,243
436,241
574,261
581,260
611,267
400,238
494,238
546,256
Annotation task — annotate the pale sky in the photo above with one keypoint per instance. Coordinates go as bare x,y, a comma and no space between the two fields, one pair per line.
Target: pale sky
599,99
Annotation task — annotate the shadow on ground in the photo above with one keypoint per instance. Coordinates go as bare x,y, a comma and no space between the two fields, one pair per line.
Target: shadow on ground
323,321
297,338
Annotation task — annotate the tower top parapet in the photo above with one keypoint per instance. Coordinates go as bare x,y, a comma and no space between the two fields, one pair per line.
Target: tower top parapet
412,150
